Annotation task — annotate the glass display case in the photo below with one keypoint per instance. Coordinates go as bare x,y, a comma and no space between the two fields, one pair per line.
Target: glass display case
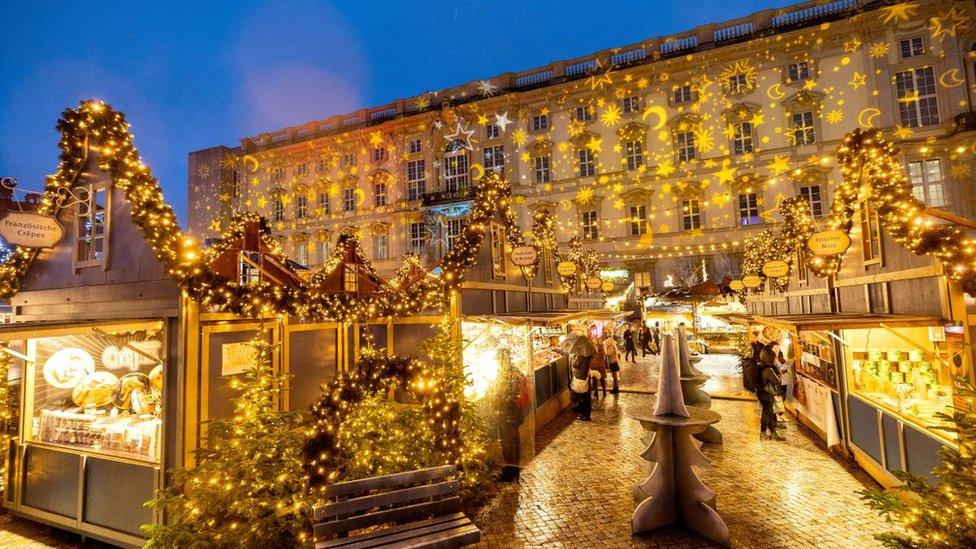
903,370
99,390
817,359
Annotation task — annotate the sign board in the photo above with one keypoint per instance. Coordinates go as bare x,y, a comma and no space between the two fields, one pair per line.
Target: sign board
594,283
736,285
236,358
30,230
831,242
566,268
607,286
776,268
751,281
523,256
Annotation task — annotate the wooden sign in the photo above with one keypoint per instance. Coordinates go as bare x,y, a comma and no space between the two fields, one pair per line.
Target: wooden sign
594,283
523,256
736,286
751,281
776,268
832,242
607,286
566,268
30,230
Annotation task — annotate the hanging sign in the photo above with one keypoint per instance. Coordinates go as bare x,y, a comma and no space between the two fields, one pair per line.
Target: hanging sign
831,242
736,286
30,230
607,286
594,283
776,268
523,256
566,268
751,281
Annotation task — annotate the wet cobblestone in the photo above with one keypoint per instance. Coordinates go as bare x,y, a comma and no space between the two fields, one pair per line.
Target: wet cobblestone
577,492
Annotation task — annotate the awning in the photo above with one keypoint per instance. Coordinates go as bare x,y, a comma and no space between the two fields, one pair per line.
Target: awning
838,321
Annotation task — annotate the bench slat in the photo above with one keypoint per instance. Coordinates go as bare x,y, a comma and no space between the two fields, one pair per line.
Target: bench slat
389,481
399,514
382,499
444,525
465,535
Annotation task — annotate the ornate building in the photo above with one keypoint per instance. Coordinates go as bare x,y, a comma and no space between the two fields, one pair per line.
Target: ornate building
664,156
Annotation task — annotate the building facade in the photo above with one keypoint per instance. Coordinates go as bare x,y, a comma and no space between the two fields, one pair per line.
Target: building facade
663,156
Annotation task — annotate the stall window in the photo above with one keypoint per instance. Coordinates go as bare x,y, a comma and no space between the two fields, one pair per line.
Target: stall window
92,221
350,278
249,267
99,390
497,250
870,234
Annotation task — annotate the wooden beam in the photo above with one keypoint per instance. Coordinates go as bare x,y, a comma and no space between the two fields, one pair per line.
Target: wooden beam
950,217
14,353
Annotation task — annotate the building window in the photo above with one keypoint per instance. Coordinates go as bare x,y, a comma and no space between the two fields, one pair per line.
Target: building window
277,175
379,194
348,160
631,104
453,227
801,128
814,197
583,113
456,166
379,154
742,138
416,179
381,247
540,122
301,169
870,233
590,225
350,277
634,151
322,166
92,224
277,210
737,83
638,220
494,158
301,253
497,250
415,146
682,94
349,199
493,131
586,163
301,207
748,209
540,166
928,184
799,71
685,143
323,251
325,204
911,47
917,102
690,215
418,238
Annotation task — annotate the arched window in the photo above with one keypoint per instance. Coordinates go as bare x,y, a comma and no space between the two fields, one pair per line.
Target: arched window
456,177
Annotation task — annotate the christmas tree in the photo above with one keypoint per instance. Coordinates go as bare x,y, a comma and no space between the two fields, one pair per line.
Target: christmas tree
937,514
249,488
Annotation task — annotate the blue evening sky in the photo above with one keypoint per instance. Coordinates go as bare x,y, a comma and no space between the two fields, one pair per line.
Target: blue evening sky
190,75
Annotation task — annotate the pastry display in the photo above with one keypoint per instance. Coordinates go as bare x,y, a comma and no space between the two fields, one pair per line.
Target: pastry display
134,394
156,379
65,368
94,390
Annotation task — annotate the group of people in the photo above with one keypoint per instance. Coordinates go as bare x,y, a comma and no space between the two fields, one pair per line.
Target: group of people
768,377
646,337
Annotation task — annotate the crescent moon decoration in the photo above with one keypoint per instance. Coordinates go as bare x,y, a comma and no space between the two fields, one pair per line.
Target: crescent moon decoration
564,204
866,117
251,163
775,92
360,196
479,171
956,81
662,115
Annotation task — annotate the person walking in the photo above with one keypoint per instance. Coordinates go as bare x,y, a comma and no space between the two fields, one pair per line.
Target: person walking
611,354
645,339
766,390
630,348
598,371
657,338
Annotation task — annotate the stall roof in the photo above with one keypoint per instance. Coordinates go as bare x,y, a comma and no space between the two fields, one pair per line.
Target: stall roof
20,330
546,317
838,321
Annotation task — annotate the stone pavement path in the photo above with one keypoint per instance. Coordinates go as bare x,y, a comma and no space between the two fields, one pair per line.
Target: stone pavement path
577,492
724,376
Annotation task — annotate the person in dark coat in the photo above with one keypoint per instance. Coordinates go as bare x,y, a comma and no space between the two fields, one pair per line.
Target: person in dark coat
645,340
630,347
767,390
657,338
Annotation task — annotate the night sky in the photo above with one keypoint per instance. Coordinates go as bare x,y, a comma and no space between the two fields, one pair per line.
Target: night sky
196,74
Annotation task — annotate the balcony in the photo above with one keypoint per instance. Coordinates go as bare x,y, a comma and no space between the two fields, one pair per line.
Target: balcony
462,194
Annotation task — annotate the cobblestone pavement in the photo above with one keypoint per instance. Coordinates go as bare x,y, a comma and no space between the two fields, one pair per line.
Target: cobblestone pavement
24,534
577,491
724,379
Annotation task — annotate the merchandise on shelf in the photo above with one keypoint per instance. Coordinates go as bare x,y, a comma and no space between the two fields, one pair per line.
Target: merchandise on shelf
904,381
817,362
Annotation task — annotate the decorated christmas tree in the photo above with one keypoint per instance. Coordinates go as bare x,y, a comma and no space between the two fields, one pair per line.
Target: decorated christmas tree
936,514
248,488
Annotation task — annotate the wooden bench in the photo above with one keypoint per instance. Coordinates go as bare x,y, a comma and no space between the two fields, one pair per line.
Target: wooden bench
413,509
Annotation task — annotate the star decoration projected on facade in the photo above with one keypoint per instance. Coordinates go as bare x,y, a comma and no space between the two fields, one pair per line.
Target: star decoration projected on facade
898,12
486,88
502,121
461,134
